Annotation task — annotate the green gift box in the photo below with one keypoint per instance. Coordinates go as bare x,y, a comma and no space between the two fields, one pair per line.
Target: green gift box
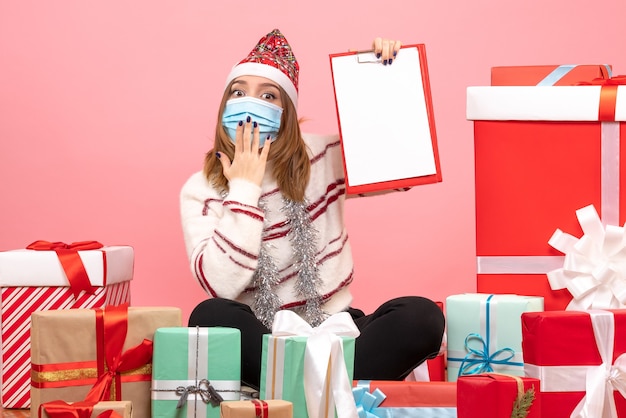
484,333
283,370
190,365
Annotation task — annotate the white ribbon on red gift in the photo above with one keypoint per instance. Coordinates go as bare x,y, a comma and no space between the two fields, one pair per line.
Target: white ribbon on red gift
326,381
602,380
609,192
594,270
598,382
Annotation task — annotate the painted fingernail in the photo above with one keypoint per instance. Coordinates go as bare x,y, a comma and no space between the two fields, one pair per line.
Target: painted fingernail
378,55
255,124
240,123
248,119
385,62
395,53
269,137
390,61
218,155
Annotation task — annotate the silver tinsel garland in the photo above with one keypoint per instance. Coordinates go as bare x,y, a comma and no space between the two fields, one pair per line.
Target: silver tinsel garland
266,301
303,239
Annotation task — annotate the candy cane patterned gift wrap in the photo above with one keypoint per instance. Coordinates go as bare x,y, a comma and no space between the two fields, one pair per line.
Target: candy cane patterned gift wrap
485,332
186,361
35,281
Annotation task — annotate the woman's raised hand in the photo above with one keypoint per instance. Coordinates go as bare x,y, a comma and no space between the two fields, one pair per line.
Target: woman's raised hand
248,163
386,49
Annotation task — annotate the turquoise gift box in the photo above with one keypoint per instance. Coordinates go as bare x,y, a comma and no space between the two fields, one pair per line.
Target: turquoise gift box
190,365
282,369
484,333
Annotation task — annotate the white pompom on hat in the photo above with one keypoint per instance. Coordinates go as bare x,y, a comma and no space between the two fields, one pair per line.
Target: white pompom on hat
271,58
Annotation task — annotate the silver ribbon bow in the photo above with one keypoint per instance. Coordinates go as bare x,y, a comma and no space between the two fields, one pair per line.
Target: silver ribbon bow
207,393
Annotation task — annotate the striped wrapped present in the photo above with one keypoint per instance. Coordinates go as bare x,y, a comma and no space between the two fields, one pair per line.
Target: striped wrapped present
51,276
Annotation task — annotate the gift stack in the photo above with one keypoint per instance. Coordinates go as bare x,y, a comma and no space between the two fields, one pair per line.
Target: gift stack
548,145
312,368
84,357
53,276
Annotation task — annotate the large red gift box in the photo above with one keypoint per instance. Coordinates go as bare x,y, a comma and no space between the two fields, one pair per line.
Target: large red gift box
493,395
576,355
547,75
541,153
35,280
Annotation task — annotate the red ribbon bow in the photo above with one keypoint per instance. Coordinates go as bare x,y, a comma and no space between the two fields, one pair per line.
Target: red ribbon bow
261,408
71,262
608,95
62,409
111,330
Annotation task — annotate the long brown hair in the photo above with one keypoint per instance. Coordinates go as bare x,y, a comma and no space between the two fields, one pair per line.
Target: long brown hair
288,152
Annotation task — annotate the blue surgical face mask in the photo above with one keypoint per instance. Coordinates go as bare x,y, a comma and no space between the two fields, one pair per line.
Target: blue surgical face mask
265,114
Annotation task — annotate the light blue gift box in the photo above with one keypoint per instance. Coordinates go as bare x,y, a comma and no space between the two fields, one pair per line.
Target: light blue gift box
188,364
484,333
282,369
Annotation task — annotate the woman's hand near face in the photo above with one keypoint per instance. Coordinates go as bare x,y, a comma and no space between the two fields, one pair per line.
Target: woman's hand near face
248,163
386,49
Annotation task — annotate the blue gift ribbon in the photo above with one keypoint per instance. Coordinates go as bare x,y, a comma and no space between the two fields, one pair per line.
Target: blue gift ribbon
560,72
480,360
367,405
367,402
416,412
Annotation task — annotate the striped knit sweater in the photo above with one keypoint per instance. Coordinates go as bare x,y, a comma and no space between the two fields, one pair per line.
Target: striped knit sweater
223,235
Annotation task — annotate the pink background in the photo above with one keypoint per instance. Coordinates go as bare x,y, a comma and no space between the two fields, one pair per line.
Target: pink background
106,107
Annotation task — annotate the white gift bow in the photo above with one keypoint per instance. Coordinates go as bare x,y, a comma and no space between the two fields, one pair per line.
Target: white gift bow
324,349
594,270
602,380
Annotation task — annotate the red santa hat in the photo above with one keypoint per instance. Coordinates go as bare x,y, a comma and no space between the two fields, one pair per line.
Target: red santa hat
271,58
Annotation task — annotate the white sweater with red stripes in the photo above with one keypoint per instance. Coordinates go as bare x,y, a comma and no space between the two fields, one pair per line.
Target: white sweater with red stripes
223,235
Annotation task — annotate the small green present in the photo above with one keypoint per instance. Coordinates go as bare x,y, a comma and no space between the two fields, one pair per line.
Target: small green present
310,367
193,369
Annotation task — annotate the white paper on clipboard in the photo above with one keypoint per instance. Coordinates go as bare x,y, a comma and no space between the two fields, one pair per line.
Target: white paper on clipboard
383,117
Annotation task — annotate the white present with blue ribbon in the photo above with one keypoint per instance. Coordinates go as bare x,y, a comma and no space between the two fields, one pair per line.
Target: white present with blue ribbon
484,333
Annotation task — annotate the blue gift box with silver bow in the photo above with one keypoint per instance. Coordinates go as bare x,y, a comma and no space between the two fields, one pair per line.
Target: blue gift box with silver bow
484,333
193,370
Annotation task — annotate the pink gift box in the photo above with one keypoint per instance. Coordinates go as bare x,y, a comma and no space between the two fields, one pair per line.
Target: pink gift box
36,281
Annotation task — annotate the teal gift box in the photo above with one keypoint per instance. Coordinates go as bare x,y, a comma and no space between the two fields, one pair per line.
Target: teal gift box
190,365
283,370
484,333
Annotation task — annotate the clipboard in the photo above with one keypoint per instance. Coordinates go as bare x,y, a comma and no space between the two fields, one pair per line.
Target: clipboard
386,121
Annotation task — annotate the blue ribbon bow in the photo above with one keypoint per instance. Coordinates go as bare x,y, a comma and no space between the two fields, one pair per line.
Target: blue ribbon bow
366,402
480,360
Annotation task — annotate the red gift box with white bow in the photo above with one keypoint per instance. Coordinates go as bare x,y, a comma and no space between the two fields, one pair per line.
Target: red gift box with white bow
579,356
541,153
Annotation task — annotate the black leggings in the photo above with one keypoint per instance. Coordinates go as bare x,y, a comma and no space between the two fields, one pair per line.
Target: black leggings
395,339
